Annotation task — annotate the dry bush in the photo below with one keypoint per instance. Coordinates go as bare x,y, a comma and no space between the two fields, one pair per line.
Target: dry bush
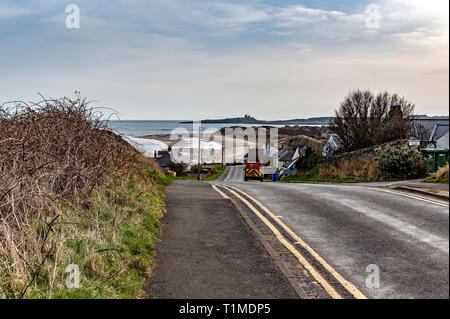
52,153
363,168
441,176
401,162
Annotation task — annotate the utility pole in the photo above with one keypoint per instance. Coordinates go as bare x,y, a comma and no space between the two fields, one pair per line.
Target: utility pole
199,152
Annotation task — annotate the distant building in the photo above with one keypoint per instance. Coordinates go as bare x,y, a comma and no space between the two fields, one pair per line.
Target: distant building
159,154
163,160
299,151
442,143
439,131
285,157
260,155
290,168
332,144
436,131
431,128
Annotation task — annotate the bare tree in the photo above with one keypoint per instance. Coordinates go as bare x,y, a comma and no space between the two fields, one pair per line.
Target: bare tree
364,119
420,132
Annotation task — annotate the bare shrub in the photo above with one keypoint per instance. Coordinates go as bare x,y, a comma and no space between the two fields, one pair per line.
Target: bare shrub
363,167
441,176
420,132
179,168
52,153
364,119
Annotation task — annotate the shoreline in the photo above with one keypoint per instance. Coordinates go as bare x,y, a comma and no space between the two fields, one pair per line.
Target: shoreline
313,131
165,138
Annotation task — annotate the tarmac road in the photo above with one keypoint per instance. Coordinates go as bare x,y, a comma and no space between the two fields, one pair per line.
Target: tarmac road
352,227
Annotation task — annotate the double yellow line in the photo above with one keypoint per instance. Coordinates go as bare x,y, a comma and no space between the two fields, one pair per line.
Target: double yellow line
328,288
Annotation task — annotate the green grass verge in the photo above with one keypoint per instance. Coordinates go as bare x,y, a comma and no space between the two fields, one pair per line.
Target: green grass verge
312,177
110,238
218,171
435,180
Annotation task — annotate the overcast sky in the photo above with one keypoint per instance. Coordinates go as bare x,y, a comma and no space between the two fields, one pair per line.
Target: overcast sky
192,59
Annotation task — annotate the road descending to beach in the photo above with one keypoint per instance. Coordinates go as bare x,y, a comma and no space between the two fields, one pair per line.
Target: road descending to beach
351,242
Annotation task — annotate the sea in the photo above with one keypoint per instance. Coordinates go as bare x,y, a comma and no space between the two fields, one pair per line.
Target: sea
141,128
133,131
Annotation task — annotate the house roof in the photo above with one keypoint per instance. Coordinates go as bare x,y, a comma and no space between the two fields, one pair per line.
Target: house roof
433,118
335,141
282,152
287,156
163,161
431,123
439,131
443,141
336,138
289,164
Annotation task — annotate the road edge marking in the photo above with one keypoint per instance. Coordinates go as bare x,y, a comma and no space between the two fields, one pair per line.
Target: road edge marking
328,288
345,283
220,192
268,247
407,195
432,201
229,173
272,253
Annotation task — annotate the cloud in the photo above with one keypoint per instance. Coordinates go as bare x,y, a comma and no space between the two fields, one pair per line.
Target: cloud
157,58
13,13
416,23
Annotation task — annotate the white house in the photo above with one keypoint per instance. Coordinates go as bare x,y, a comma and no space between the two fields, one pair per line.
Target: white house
333,143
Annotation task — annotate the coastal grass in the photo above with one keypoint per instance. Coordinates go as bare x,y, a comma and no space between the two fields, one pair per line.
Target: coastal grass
362,169
311,177
110,238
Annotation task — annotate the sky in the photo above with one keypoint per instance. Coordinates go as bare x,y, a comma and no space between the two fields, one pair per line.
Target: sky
197,59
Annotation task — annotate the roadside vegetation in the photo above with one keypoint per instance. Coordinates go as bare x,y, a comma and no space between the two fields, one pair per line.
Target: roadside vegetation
401,162
382,163
441,176
208,172
362,169
374,130
73,193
